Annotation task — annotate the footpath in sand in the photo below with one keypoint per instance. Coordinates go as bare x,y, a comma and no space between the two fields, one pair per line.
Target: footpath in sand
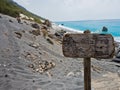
30,62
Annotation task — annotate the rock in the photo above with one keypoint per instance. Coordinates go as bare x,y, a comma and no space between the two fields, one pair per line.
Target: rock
31,65
11,21
18,35
35,32
18,19
26,23
118,52
104,29
50,41
33,81
23,31
41,70
47,23
31,56
87,31
119,73
44,32
43,66
116,60
118,55
0,16
57,34
6,75
51,36
60,33
4,65
116,44
40,53
35,25
70,74
37,70
6,34
35,45
52,64
49,74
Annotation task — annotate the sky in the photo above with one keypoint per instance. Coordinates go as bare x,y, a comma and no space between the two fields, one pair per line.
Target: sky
72,10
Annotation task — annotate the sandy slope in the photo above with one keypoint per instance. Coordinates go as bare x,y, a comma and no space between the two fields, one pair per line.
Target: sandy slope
110,81
17,54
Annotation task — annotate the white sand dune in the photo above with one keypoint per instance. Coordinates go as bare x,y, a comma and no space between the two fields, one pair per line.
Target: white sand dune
16,54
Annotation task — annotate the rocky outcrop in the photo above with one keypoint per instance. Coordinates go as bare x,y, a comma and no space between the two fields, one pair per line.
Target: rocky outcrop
35,25
104,29
47,23
35,32
59,34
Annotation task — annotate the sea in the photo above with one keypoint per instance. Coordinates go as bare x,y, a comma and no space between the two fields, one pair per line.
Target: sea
95,26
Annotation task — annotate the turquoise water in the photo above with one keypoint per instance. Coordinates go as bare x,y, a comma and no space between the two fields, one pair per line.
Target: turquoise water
95,25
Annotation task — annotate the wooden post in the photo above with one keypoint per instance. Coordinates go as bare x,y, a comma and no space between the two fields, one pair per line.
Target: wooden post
88,45
87,74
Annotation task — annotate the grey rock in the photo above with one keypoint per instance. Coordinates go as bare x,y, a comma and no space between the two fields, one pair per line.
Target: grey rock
118,52
35,25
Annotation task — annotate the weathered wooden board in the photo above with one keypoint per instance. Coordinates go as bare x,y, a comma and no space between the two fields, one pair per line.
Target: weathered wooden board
88,45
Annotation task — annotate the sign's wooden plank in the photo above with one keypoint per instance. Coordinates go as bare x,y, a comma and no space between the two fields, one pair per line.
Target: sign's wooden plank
88,45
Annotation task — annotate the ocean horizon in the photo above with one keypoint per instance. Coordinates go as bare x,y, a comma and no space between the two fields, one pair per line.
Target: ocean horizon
95,26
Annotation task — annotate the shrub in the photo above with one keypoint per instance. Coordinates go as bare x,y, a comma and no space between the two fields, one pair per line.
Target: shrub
9,7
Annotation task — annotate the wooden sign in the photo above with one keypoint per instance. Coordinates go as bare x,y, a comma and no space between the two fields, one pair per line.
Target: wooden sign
88,45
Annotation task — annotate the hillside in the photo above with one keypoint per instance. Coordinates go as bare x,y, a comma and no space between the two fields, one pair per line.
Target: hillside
31,61
9,7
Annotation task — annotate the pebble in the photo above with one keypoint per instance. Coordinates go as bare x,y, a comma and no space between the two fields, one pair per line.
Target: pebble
35,45
42,66
49,74
70,74
31,66
19,57
119,73
33,81
6,75
4,65
37,70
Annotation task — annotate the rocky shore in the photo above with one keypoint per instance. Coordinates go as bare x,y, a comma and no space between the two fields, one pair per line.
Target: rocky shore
31,59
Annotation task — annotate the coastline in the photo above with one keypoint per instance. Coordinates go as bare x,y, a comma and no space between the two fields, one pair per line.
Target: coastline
95,26
70,29
116,39
59,27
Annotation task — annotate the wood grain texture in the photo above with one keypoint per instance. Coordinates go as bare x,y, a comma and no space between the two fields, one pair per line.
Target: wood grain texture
88,45
87,74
